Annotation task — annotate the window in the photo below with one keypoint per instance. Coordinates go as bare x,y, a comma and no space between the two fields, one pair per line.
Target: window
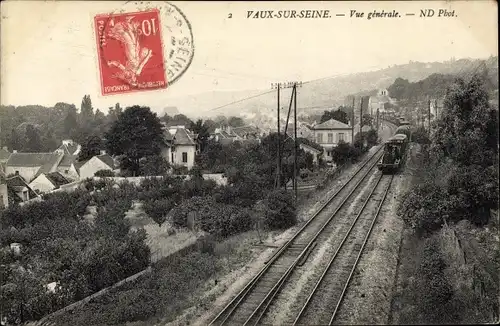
330,138
17,172
341,136
184,157
319,138
66,171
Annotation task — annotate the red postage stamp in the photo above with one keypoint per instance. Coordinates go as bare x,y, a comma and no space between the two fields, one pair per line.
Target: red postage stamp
130,52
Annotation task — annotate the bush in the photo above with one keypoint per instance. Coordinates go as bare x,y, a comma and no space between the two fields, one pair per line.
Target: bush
104,173
425,207
434,292
180,169
281,211
158,209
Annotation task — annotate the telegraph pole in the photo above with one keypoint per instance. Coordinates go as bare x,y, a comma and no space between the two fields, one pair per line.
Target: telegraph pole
278,172
295,136
429,115
352,130
361,116
292,85
377,119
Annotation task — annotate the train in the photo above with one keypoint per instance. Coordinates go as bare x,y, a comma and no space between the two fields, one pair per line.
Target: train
395,149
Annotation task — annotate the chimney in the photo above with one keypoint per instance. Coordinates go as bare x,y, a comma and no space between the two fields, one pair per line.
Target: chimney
103,152
14,151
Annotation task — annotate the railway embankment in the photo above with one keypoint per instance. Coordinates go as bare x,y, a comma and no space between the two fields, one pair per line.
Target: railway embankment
450,275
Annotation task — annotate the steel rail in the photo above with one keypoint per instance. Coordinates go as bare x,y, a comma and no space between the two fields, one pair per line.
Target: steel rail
330,262
235,302
361,251
277,287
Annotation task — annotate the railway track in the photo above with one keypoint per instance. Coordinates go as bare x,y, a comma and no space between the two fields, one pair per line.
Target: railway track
249,306
325,299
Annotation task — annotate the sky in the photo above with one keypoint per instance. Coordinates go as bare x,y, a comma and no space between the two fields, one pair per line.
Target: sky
48,51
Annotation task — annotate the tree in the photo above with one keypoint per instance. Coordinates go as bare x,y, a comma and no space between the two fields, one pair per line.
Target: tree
158,209
180,119
49,142
467,131
15,141
70,123
114,113
201,129
341,153
338,115
154,165
367,120
33,140
136,134
399,89
281,210
90,148
221,120
86,110
236,122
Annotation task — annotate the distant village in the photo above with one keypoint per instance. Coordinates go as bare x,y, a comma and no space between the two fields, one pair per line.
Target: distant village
27,175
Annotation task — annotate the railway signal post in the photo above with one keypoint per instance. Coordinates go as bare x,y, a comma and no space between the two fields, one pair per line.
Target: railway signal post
294,86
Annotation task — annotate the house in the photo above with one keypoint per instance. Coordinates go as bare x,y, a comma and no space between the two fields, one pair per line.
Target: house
181,146
88,168
329,133
18,190
220,135
47,182
67,167
309,147
303,131
69,147
245,133
30,165
378,101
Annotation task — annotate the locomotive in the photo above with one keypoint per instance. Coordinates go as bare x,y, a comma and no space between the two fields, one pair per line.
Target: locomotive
395,150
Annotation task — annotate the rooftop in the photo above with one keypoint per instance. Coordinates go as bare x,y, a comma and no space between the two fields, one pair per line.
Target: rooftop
331,124
183,137
57,179
32,159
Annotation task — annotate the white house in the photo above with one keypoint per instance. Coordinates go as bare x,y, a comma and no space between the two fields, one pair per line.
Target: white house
182,146
329,133
47,182
96,163
67,167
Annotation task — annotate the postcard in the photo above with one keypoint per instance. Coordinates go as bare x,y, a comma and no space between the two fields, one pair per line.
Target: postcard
249,162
